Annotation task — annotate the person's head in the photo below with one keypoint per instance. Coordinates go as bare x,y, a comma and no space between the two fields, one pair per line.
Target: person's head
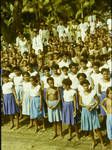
34,80
65,70
96,66
5,78
66,83
109,92
83,63
86,85
106,73
81,77
17,71
26,76
30,68
25,54
73,67
50,81
46,70
55,68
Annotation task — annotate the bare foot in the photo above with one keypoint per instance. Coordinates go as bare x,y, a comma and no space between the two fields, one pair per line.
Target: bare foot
70,138
93,145
18,126
54,136
36,130
12,126
30,126
20,117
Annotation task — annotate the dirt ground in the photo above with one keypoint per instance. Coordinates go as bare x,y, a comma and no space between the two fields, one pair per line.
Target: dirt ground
25,139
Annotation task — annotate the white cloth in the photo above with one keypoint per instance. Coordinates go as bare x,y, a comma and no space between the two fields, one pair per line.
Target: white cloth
18,80
22,44
60,30
63,63
109,23
26,87
35,91
44,79
68,95
12,75
57,80
7,88
104,85
75,81
88,99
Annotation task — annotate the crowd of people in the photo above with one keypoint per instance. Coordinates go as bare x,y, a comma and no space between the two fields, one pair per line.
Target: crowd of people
63,73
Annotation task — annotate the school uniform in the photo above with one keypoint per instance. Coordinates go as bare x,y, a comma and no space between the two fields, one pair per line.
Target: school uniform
18,82
26,98
109,126
89,119
9,103
104,85
35,111
68,107
54,115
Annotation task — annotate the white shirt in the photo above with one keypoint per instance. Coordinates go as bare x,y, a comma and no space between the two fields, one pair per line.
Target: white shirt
7,88
88,100
35,91
61,30
63,63
18,80
109,23
44,79
12,75
57,80
68,95
104,85
26,87
74,79
33,73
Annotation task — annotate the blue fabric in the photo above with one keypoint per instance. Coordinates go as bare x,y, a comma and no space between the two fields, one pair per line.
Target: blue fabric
103,95
89,120
19,92
35,111
9,105
54,115
109,126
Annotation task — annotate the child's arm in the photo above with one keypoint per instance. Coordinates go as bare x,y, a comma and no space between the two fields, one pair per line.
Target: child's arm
40,99
99,88
47,99
74,105
103,105
95,104
14,92
80,101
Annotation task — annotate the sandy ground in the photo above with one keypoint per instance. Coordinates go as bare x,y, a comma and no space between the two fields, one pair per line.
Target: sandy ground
25,139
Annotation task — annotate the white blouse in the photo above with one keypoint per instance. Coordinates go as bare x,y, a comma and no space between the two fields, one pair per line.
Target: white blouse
26,87
18,80
44,79
104,85
88,100
34,91
68,95
7,88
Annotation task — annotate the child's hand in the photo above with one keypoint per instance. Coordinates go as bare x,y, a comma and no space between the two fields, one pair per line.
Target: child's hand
88,108
40,107
74,113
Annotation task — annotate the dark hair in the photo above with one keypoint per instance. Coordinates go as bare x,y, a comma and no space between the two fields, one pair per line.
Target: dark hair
64,67
81,74
34,78
46,68
67,82
50,79
84,61
17,69
85,82
26,73
73,64
104,70
96,63
55,66
108,90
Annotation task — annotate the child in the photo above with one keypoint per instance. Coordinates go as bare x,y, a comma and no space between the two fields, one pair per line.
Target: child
69,106
53,103
35,102
107,106
104,83
18,83
9,103
26,94
89,118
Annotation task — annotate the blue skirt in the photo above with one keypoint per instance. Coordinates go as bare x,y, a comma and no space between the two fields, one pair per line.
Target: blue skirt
9,105
109,126
26,105
35,111
54,115
89,120
103,95
68,113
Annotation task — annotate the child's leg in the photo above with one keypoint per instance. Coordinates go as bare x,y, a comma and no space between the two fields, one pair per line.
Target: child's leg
55,130
77,132
60,128
17,117
100,136
70,132
93,140
31,123
20,107
12,121
36,125
44,120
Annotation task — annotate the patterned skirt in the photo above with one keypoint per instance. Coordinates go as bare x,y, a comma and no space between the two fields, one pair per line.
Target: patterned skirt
109,126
